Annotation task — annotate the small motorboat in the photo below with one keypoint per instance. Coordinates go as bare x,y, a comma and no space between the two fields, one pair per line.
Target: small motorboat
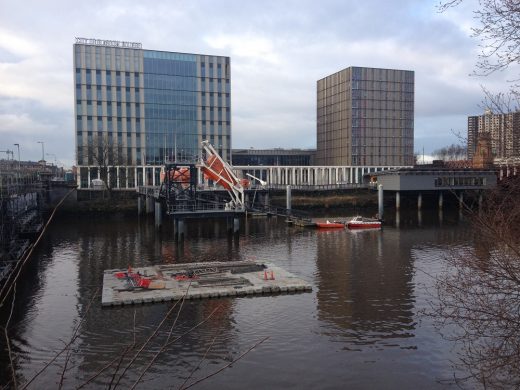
364,223
330,225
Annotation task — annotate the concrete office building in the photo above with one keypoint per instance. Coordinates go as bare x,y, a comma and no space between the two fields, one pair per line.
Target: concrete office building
136,109
365,116
504,130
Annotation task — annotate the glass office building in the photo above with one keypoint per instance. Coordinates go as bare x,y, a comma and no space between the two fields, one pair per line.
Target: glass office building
365,116
136,109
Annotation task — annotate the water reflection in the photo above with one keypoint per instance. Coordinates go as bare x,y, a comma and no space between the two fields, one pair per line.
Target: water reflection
367,298
358,328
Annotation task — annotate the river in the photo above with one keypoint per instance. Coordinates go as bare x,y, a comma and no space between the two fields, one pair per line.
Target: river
360,327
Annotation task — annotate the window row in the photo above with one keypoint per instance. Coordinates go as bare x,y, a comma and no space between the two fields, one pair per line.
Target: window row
459,181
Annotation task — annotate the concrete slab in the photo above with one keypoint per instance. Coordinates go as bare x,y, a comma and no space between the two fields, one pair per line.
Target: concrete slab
197,281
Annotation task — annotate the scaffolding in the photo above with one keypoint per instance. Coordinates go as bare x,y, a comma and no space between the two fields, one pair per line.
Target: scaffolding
21,201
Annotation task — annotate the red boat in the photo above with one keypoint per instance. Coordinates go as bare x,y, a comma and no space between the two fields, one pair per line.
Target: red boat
364,223
330,225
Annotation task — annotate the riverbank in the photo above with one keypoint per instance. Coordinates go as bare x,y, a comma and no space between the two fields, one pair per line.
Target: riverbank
328,200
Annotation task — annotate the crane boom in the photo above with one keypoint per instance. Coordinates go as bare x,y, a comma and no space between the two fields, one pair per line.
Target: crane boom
218,170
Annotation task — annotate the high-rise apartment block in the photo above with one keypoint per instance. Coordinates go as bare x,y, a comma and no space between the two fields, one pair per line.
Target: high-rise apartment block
138,108
504,130
365,116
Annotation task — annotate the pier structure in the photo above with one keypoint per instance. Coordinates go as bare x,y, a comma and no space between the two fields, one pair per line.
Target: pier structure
133,177
427,181
170,282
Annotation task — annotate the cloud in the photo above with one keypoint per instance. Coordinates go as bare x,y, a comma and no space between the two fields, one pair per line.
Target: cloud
278,51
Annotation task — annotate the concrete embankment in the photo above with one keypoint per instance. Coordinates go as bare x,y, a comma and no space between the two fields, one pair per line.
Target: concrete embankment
329,199
93,202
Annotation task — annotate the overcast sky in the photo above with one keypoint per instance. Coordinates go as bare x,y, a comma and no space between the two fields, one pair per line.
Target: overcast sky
278,50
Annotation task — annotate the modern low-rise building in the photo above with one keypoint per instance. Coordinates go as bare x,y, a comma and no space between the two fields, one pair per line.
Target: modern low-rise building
137,109
274,157
365,116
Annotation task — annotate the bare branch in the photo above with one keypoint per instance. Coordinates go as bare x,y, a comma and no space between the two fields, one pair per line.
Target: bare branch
229,364
477,297
498,30
74,336
201,359
8,342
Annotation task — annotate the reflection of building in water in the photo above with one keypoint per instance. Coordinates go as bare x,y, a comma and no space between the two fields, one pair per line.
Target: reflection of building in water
107,332
365,284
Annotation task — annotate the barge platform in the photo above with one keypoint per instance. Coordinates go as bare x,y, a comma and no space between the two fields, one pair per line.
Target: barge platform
170,282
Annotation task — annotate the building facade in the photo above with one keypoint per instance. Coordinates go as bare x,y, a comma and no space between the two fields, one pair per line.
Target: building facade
274,157
137,109
504,130
365,116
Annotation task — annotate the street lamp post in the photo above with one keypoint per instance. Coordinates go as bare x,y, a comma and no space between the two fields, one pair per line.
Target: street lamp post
18,146
43,150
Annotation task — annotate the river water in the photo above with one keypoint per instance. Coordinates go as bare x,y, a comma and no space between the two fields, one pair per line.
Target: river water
360,327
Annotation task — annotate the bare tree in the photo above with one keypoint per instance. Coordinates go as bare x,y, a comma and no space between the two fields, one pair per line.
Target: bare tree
105,154
498,31
478,295
501,103
452,152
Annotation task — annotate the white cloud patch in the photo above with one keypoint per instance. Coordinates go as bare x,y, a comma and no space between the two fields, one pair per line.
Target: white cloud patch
278,51
23,124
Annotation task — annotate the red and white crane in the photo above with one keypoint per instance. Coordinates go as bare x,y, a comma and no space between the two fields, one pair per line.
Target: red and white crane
215,168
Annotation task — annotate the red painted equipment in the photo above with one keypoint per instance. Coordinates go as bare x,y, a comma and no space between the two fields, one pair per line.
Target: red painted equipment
135,279
216,169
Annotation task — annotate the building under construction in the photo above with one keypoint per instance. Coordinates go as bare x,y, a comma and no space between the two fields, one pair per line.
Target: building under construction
22,196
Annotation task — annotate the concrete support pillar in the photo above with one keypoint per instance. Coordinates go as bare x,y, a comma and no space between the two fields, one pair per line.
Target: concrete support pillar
380,200
397,218
397,200
236,225
419,201
480,200
140,205
441,200
419,218
179,229
158,213
461,200
117,178
288,199
266,199
149,205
